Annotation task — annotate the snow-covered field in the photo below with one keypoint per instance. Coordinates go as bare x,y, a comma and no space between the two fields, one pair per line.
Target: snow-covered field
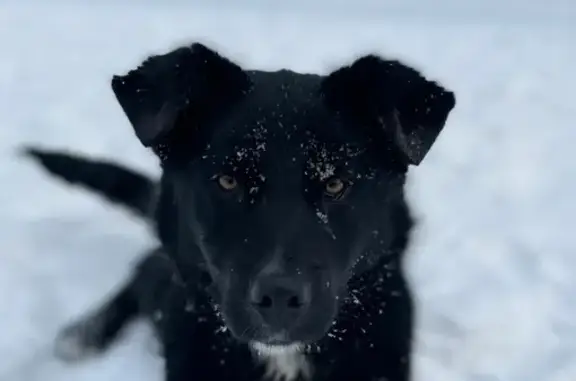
494,264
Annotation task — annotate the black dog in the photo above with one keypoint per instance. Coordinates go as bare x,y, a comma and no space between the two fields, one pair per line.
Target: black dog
281,216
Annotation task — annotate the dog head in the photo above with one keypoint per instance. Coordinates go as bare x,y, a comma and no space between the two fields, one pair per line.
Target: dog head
284,182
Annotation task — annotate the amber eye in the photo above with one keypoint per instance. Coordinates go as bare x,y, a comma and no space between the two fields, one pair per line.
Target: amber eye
227,183
334,187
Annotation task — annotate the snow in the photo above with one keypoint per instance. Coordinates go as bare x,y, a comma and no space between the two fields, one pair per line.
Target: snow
493,263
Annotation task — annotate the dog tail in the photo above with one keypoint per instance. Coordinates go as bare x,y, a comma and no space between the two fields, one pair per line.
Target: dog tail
114,182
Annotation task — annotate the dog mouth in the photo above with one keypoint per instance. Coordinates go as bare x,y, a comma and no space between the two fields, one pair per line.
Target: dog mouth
276,324
283,361
279,339
276,348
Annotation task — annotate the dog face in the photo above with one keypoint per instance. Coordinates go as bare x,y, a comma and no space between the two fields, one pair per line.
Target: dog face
285,182
283,201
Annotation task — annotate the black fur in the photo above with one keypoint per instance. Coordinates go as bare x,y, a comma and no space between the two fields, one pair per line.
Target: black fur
117,183
254,241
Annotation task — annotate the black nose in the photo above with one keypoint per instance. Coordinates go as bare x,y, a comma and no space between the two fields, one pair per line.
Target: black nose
280,301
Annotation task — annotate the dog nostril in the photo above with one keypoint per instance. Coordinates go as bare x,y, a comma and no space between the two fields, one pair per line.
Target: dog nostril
265,302
294,302
275,294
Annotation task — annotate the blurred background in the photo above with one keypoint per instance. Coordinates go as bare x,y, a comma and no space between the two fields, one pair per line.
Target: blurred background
494,260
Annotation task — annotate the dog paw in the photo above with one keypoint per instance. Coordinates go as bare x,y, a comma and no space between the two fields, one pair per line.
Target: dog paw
77,342
154,347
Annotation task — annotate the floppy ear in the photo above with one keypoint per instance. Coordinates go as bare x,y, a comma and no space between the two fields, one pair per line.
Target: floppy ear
392,99
193,80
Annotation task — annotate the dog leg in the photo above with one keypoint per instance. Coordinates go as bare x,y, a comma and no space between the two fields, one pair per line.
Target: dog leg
142,295
94,333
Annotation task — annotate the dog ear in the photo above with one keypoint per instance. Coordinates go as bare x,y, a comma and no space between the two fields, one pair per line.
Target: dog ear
192,79
392,99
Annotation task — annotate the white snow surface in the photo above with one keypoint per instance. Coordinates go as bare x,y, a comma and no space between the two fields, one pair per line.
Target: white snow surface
494,261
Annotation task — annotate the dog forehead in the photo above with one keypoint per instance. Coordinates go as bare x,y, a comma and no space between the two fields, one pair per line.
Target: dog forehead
284,106
282,131
284,113
284,88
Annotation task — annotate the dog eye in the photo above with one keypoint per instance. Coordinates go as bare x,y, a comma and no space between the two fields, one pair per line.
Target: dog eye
228,183
335,187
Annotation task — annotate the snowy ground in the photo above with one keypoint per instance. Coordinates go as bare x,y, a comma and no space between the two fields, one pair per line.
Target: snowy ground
495,261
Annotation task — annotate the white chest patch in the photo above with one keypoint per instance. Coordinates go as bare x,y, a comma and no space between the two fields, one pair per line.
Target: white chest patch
283,362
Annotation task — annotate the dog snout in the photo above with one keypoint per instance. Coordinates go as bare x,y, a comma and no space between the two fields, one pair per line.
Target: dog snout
280,301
